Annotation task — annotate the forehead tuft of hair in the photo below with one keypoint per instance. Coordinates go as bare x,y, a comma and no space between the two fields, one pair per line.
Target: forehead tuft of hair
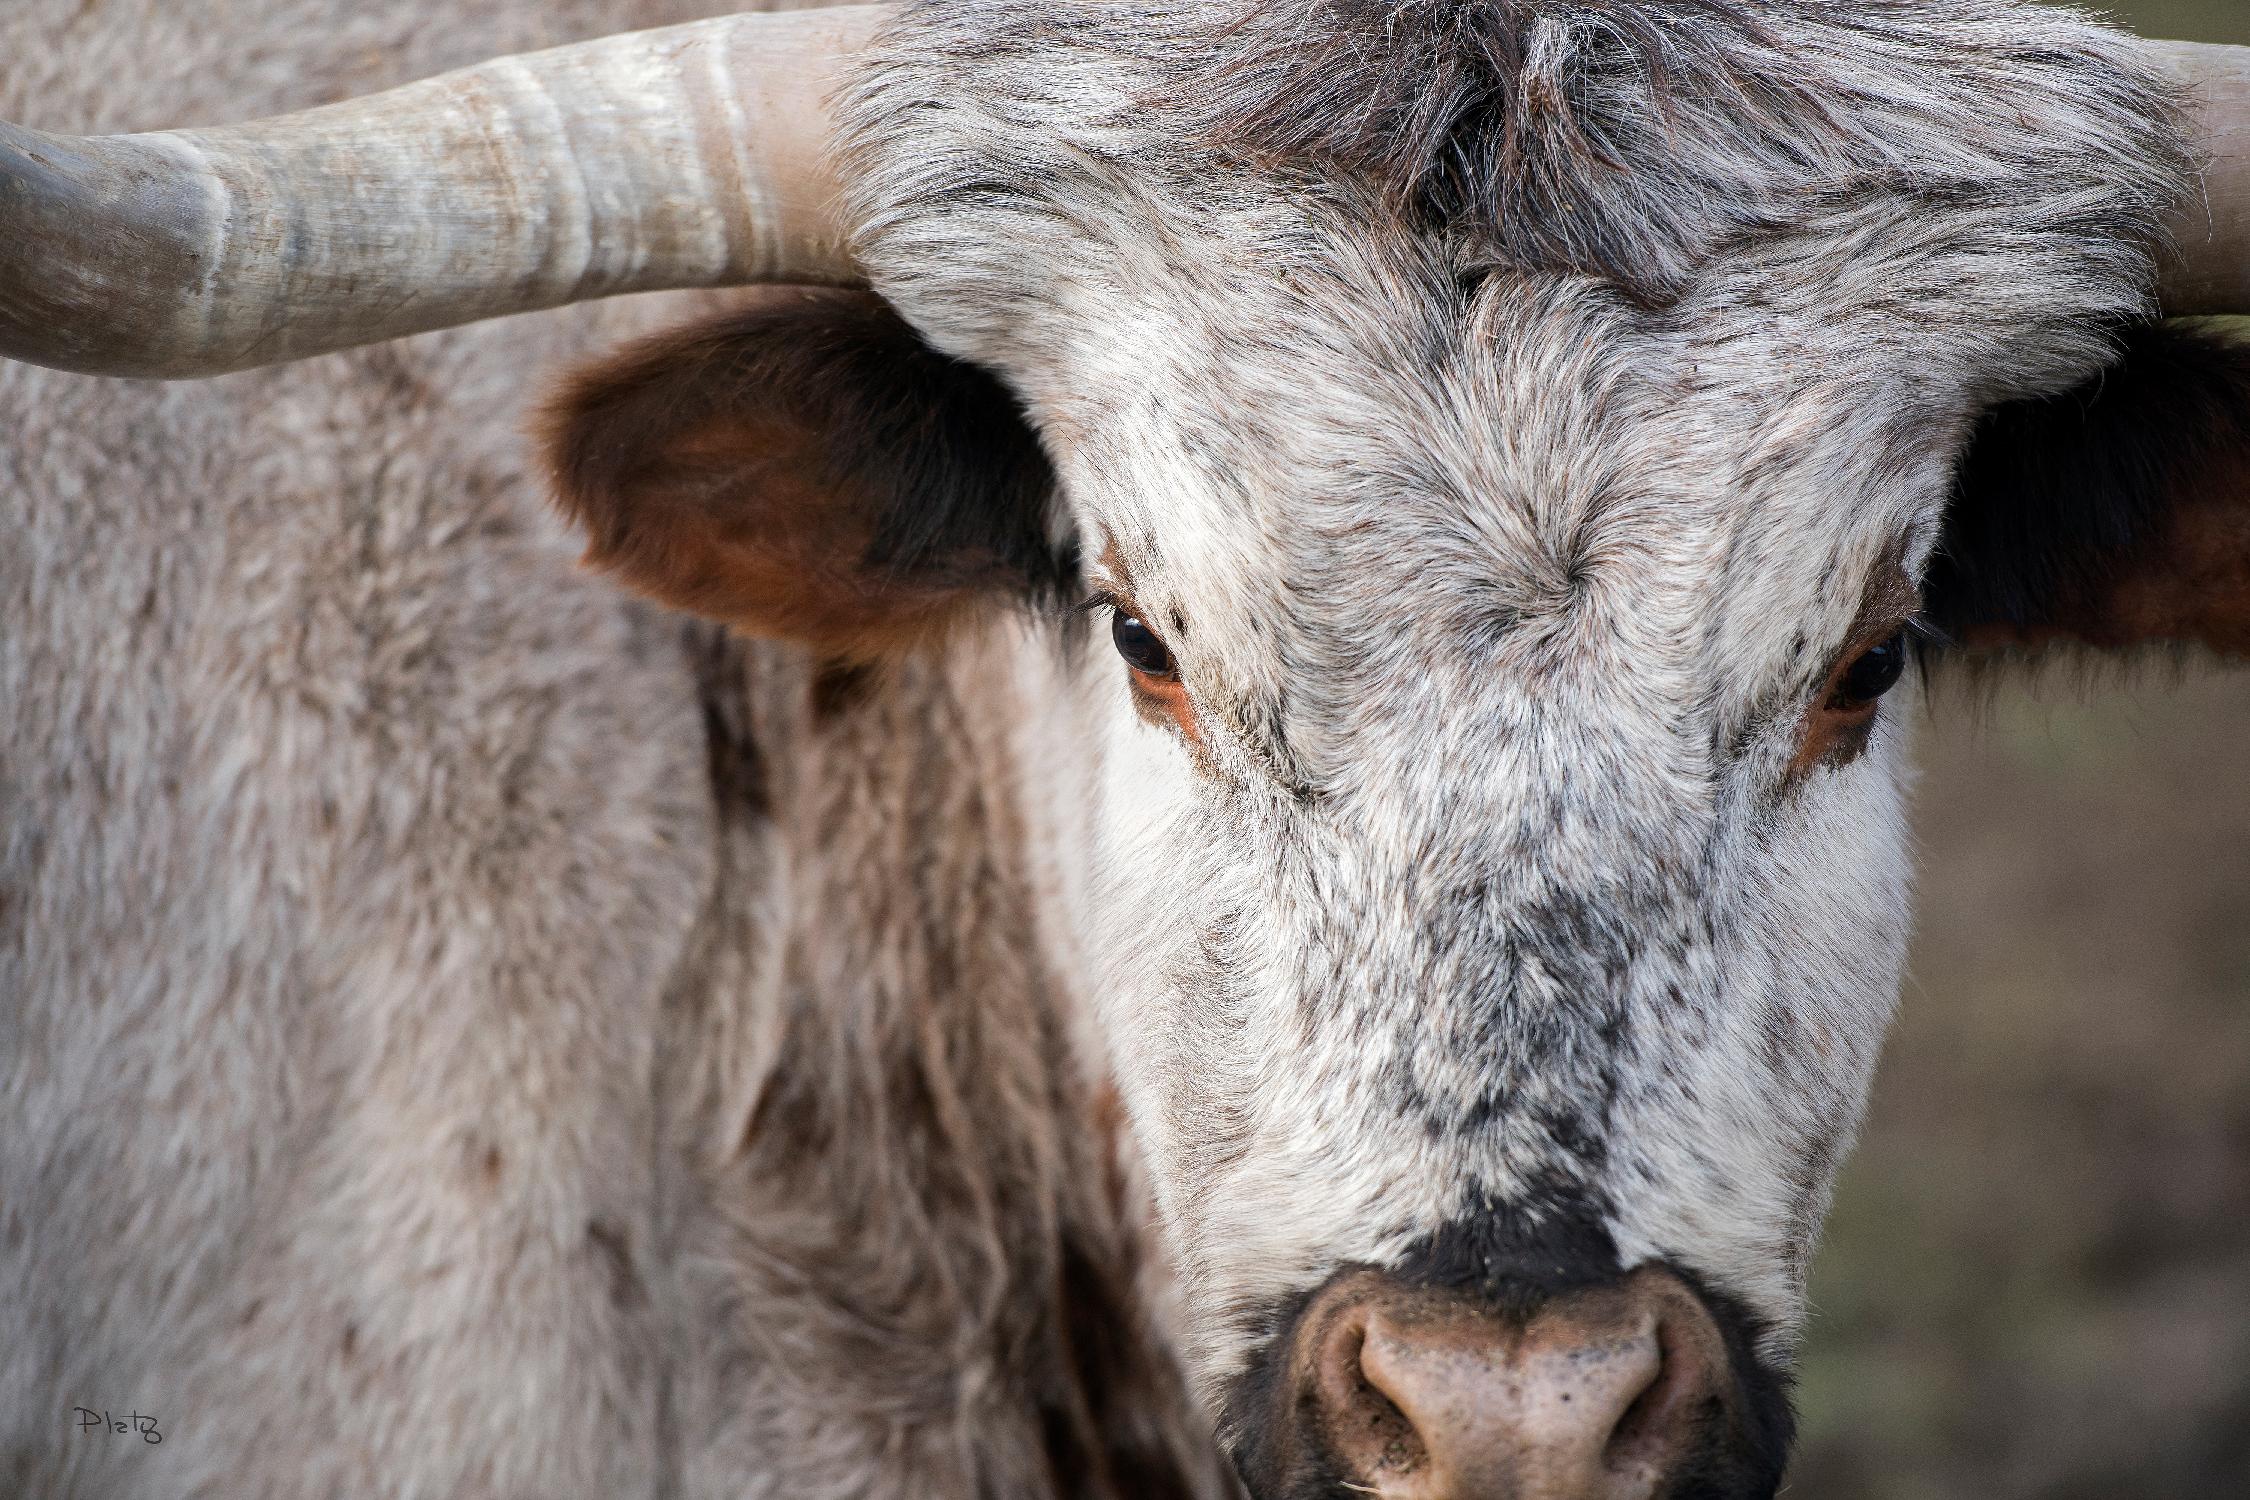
1626,139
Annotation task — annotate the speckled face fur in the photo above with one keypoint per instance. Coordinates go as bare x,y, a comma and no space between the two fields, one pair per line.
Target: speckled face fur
1506,469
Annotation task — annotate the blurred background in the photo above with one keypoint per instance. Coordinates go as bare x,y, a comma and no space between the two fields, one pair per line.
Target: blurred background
2036,1284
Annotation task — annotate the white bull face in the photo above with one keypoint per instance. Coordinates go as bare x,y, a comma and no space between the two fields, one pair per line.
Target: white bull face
1500,880
1500,830
1499,834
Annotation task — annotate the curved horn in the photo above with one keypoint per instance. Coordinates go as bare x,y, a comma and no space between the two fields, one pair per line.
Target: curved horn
2212,274
695,155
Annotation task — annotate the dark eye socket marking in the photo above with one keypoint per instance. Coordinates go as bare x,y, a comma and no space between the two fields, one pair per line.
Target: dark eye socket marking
1841,719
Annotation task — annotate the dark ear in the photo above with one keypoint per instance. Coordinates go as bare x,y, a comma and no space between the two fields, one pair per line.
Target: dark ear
808,469
2117,515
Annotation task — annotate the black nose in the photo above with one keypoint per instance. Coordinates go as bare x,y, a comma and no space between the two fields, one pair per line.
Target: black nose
1624,1390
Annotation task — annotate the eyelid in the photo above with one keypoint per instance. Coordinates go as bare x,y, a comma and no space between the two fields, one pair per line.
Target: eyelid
1912,623
1105,597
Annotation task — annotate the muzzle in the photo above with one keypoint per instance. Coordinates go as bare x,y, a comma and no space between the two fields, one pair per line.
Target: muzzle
1632,1388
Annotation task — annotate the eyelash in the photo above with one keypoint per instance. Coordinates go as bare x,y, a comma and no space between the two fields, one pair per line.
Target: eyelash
1925,631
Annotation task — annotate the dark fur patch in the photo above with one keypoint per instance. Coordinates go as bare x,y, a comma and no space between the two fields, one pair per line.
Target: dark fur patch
1099,1439
741,781
1618,138
2114,515
808,468
1513,1256
1631,139
840,687
613,1250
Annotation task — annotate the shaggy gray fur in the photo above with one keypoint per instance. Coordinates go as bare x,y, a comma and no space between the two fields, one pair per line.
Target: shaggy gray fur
441,1047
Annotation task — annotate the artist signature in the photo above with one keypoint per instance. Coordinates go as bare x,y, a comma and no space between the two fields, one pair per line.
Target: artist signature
89,1419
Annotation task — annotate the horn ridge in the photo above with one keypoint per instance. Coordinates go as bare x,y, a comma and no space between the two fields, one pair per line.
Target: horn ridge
689,156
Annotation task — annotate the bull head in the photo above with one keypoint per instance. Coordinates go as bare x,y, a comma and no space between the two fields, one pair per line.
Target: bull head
1496,917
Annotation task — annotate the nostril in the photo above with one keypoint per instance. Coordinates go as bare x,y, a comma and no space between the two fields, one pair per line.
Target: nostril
1652,1404
1686,1391
1364,1423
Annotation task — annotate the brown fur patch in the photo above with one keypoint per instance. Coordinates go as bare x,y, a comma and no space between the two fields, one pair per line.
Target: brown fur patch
1526,130
1165,701
838,688
808,470
614,1250
2194,583
2187,584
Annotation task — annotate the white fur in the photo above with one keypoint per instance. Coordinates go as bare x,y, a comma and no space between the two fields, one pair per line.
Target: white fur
1499,608
464,1032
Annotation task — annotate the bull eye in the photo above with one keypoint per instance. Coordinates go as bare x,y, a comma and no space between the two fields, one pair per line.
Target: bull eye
1138,644
1875,672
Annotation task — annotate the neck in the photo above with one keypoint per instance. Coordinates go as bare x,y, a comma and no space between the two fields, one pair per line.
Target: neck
926,1131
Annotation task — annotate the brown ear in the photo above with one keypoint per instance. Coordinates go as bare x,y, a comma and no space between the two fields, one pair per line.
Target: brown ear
2117,515
808,469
